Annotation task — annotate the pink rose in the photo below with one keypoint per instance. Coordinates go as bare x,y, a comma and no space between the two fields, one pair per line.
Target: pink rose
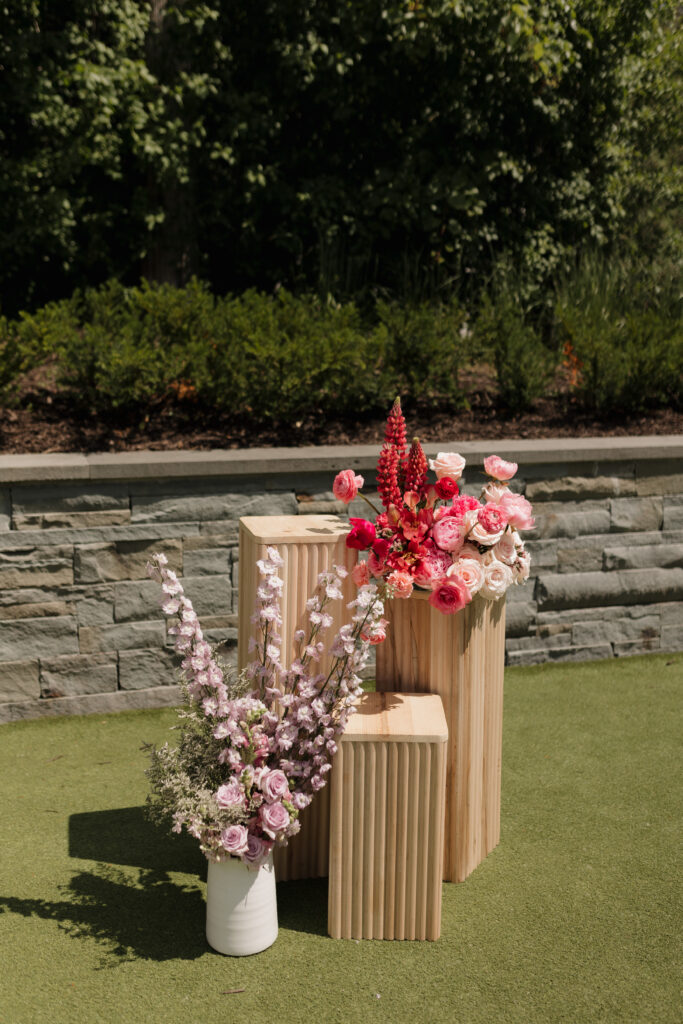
447,464
431,568
448,534
401,582
360,574
274,819
470,551
497,579
449,595
230,794
274,785
234,839
346,485
470,571
499,469
518,511
362,534
257,850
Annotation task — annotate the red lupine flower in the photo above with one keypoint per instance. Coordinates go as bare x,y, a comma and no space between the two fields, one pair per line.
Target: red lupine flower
387,476
416,468
395,433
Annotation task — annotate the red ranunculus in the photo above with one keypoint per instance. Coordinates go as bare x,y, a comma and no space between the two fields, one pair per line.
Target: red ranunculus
361,535
446,488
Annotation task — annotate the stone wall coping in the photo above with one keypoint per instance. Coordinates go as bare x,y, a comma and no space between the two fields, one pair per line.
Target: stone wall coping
260,462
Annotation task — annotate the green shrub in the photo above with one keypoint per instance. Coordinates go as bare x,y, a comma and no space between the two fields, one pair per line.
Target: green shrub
523,364
621,323
426,350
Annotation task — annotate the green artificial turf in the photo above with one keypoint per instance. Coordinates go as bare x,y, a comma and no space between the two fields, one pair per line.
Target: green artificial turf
574,917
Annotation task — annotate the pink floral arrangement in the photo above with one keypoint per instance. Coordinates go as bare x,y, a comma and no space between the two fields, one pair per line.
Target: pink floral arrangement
254,750
430,536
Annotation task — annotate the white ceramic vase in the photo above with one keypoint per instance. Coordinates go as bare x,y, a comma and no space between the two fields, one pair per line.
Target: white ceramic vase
241,907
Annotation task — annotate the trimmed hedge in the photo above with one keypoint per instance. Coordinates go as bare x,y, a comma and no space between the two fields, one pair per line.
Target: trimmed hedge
278,359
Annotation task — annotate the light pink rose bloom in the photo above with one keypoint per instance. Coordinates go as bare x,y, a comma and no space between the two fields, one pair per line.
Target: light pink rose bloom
274,785
474,530
497,579
520,570
470,571
230,794
450,595
494,491
448,534
431,568
234,839
447,464
499,469
518,511
360,574
346,485
470,551
274,818
402,583
506,549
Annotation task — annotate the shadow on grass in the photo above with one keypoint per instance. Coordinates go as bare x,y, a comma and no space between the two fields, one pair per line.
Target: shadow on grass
148,917
302,906
125,835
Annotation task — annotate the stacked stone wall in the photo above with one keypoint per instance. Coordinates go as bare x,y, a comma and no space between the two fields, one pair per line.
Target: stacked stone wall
80,625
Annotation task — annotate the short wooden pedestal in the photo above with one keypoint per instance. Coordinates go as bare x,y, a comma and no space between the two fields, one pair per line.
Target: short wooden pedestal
308,545
460,657
387,820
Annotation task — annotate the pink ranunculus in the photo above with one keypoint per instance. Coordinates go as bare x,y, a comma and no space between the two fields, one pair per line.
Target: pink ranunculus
450,595
470,571
401,583
477,533
230,794
497,579
362,534
431,567
518,511
274,785
274,818
506,549
493,518
447,464
499,469
234,840
360,574
346,485
448,534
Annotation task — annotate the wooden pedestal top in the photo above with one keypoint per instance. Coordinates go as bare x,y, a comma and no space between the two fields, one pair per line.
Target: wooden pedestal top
398,717
293,529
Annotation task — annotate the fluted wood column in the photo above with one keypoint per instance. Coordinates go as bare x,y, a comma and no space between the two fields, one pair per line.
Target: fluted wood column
308,545
461,657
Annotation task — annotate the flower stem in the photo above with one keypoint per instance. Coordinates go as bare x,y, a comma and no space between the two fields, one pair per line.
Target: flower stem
367,501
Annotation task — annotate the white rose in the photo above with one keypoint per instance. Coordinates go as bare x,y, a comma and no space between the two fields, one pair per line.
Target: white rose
497,579
520,569
505,550
494,491
470,571
447,464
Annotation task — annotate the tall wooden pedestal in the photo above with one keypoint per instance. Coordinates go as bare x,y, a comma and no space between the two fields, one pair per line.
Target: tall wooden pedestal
461,657
309,545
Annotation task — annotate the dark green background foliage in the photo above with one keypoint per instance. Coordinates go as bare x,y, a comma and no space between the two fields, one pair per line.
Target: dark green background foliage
326,145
